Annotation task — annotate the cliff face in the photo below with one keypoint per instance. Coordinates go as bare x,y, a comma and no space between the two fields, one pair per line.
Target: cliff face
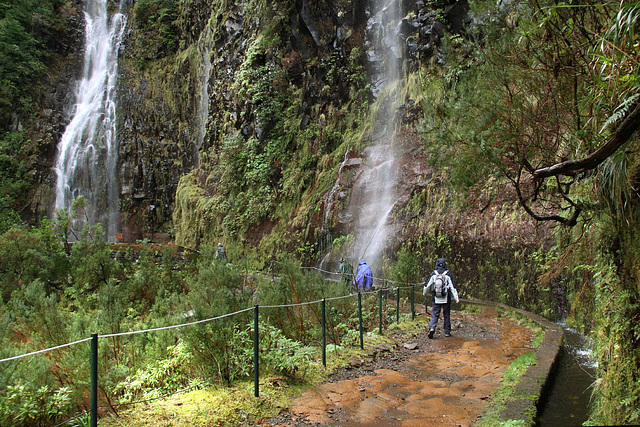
288,87
249,121
42,121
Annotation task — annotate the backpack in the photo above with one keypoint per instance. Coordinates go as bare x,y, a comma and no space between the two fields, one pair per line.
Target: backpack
440,285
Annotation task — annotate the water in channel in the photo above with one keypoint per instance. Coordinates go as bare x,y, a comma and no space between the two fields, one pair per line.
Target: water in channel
567,400
87,163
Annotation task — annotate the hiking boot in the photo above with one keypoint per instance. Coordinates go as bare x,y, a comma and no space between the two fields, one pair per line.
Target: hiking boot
448,334
431,331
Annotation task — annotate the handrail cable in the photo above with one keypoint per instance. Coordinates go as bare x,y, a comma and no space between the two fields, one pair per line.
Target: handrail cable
175,326
44,350
203,320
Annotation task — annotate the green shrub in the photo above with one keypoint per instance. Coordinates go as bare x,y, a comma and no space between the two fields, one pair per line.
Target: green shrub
282,355
216,290
20,405
160,378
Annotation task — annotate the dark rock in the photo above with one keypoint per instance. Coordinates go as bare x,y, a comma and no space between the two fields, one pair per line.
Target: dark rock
309,21
304,122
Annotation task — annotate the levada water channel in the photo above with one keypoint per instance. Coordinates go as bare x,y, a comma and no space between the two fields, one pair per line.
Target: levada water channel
566,401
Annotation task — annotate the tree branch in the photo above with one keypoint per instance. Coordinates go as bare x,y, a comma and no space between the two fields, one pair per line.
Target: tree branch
626,129
573,220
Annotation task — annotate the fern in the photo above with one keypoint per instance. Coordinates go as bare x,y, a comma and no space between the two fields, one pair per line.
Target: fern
621,111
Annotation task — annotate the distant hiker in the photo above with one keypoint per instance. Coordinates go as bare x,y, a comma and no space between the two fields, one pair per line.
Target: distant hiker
221,254
440,285
364,277
346,270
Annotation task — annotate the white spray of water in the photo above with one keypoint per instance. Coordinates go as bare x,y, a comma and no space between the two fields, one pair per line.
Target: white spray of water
380,174
87,163
203,106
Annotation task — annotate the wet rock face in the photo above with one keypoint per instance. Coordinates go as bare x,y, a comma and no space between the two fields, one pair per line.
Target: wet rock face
52,105
419,34
317,44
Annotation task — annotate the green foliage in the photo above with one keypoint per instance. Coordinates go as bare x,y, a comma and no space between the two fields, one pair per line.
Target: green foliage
29,255
14,178
92,265
20,405
162,377
26,28
156,22
407,268
216,290
282,355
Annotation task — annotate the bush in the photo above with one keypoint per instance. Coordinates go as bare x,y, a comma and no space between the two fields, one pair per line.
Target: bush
282,355
217,289
160,378
20,405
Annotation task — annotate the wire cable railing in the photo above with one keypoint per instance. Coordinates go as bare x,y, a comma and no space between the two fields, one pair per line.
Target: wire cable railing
94,338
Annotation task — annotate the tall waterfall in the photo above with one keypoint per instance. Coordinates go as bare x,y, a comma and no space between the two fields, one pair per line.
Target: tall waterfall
203,102
376,188
87,162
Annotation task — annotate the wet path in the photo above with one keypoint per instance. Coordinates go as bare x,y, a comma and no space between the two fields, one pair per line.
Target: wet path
444,381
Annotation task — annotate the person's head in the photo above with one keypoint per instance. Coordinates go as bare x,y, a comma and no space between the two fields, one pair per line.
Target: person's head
220,244
362,261
342,259
441,263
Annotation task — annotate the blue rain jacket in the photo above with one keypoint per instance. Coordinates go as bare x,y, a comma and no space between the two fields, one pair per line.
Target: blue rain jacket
364,276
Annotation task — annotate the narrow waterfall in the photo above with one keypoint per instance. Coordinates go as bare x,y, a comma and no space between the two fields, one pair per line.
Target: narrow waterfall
376,189
87,163
203,105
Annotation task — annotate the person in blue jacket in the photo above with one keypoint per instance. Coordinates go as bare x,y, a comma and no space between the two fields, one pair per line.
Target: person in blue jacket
364,277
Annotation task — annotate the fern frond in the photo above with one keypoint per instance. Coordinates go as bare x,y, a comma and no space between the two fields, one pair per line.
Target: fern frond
621,111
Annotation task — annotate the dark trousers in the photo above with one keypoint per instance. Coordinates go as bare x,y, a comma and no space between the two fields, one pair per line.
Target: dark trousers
435,314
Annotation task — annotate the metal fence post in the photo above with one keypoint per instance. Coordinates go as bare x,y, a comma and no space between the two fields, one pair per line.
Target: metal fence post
413,302
94,380
360,319
380,311
324,334
256,352
398,305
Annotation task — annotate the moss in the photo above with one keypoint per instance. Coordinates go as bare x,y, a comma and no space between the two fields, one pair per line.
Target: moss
505,393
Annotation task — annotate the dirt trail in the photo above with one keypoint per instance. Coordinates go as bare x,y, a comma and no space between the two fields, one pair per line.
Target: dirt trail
444,381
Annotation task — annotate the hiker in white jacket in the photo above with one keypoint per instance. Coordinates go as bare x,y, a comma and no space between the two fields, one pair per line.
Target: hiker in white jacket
440,285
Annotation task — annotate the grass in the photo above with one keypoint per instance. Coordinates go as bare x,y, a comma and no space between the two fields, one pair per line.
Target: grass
505,393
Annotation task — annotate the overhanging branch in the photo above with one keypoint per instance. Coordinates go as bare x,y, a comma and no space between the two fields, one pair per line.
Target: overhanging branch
622,134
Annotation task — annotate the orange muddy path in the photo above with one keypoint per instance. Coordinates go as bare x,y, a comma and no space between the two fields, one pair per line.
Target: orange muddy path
444,382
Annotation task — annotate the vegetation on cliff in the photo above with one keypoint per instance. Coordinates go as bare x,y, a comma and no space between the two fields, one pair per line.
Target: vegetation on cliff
543,98
512,105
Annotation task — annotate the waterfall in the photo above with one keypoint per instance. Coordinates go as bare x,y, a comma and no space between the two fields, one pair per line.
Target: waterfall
376,189
87,163
203,105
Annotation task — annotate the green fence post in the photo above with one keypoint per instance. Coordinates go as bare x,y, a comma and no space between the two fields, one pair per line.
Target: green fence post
94,380
256,352
324,335
413,302
360,319
398,305
380,311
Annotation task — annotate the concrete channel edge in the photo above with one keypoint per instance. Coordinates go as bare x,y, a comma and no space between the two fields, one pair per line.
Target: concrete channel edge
532,384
